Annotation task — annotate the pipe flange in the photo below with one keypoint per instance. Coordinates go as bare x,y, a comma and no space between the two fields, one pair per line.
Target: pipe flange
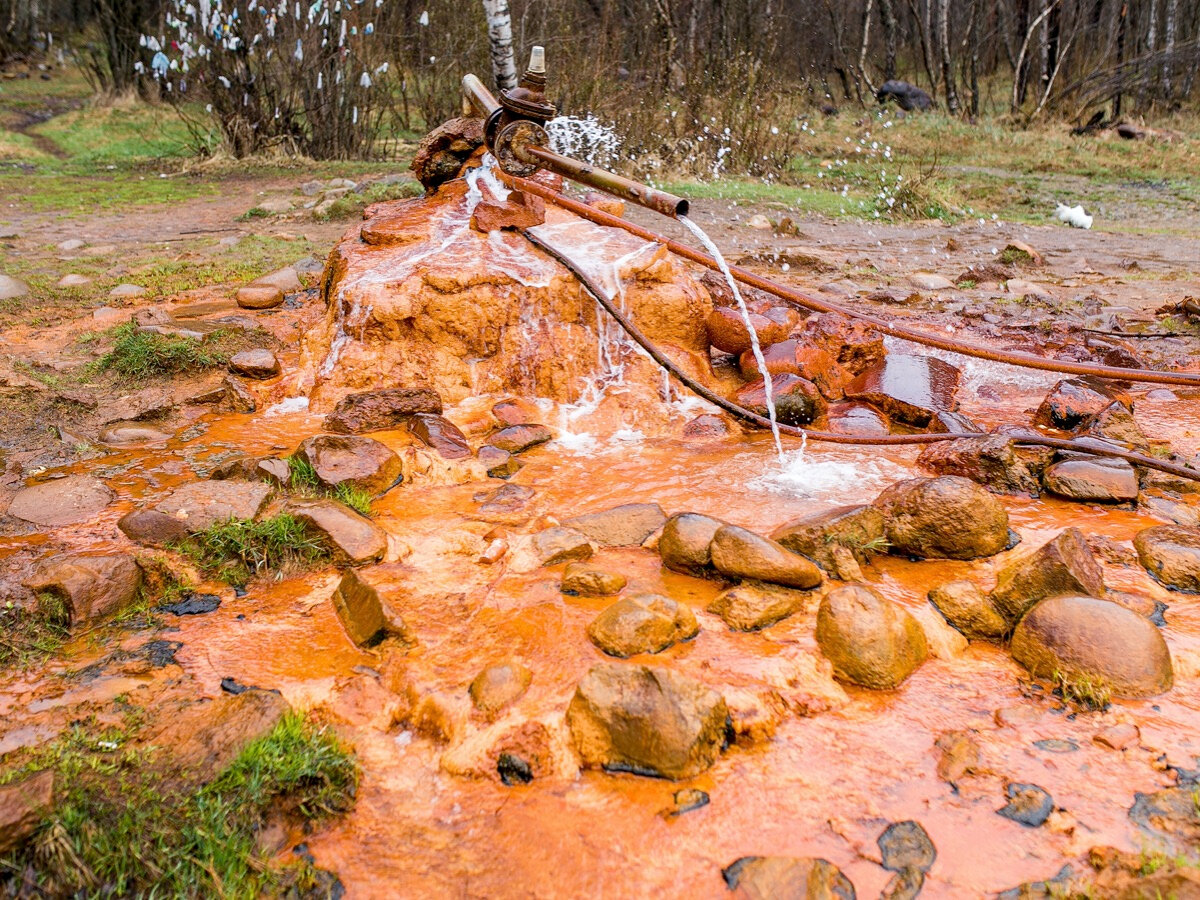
509,142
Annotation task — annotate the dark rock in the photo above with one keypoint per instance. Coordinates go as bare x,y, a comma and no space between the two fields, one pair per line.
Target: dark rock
685,801
1073,402
351,536
443,151
797,400
1169,816
990,461
906,845
441,434
519,438
943,518
193,605
559,545
1171,554
1064,565
908,97
644,623
24,805
870,641
161,653
859,529
786,878
231,685
1028,804
359,462
1058,886
500,463
622,526
1054,745
909,389
904,885
498,686
947,422
381,410
202,504
365,601
259,363
504,500
646,720
1093,647
513,770
859,419
1116,423
1101,480
685,541
753,606
581,579
739,553
88,587
61,501
149,526
969,610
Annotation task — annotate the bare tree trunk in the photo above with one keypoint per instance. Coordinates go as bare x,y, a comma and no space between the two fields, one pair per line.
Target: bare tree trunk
1122,19
887,12
1169,46
1151,46
947,64
862,49
973,71
1033,27
500,39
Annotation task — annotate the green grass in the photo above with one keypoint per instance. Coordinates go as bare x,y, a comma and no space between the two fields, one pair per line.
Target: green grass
355,498
121,826
30,635
237,550
301,475
351,205
302,478
1087,693
140,355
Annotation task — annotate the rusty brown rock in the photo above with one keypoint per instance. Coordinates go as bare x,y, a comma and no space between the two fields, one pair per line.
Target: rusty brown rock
500,463
710,425
1064,565
443,151
440,434
359,462
780,877
909,389
870,640
351,536
855,345
739,553
498,686
202,504
1096,643
727,330
685,541
519,210
380,410
1116,423
990,461
61,501
259,296
1171,554
203,739
582,579
559,545
366,600
752,606
24,805
149,526
970,610
646,720
797,400
519,438
943,518
89,587
260,363
642,623
627,525
857,528
1073,402
857,418
1095,480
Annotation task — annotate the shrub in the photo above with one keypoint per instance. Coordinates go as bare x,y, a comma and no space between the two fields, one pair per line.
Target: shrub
238,549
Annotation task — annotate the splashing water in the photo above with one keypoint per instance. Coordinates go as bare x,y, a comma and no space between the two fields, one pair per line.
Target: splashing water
855,481
715,253
588,139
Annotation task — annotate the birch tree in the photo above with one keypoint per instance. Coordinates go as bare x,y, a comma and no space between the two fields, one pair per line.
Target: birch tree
500,39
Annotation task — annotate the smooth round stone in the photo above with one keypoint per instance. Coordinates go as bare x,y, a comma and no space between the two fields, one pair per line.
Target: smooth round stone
63,501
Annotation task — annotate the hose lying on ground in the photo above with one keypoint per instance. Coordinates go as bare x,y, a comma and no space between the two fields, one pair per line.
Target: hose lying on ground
794,297
828,436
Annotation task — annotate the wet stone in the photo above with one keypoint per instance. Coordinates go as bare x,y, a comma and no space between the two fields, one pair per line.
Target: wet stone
559,545
906,845
259,296
90,587
1093,647
870,640
518,210
499,686
359,462
646,720
685,801
943,518
778,877
1171,554
236,397
1028,804
1064,565
622,526
519,438
273,471
202,504
380,410
513,770
61,501
684,544
644,623
1116,423
504,500
500,463
350,535
1121,736
969,610
857,528
441,434
739,553
858,419
581,579
797,400
854,345
149,526
260,363
728,333
364,601
204,738
904,885
1056,745
1058,886
1106,481
1170,816
131,434
1073,402
193,605
24,805
709,425
990,461
752,606
909,389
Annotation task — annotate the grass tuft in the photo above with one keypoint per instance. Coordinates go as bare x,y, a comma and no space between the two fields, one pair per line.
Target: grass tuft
30,635
1087,693
302,478
301,475
140,355
355,498
121,826
351,205
238,549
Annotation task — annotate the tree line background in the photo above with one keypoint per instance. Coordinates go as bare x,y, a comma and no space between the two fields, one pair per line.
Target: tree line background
661,71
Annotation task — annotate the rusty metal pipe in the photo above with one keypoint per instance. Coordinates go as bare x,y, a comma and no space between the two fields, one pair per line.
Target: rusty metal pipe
829,437
478,96
1024,360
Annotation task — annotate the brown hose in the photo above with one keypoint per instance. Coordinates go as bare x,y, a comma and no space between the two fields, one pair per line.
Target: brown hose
827,436
1025,360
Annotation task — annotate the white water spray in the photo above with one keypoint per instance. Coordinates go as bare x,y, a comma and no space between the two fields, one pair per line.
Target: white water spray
715,253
